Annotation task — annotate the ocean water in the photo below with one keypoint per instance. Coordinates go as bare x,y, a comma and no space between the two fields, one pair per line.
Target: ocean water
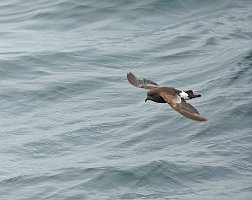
72,127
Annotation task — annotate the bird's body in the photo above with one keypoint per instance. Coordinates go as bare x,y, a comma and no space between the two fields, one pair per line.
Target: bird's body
174,97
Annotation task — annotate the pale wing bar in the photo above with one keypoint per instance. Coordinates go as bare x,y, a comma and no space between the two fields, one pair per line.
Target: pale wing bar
183,108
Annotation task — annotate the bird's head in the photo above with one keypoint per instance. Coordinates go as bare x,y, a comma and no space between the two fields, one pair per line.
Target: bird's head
153,95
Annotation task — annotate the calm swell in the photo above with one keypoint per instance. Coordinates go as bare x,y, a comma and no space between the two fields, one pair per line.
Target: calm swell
72,127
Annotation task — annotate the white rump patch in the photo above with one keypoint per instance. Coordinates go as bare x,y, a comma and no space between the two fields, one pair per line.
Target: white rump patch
184,95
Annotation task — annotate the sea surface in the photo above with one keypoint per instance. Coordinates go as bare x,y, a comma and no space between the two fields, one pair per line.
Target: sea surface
73,128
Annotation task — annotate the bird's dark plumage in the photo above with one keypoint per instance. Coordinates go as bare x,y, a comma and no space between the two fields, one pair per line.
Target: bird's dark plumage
175,98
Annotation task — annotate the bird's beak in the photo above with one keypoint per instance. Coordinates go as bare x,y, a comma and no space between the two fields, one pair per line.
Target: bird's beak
146,99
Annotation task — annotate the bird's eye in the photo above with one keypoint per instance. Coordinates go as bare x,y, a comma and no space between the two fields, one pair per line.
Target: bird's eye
153,94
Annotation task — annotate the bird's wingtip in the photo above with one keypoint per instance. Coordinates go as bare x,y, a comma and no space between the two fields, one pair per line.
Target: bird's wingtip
129,74
200,118
133,79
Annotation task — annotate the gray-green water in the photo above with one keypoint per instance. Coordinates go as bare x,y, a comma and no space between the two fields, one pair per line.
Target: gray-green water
71,125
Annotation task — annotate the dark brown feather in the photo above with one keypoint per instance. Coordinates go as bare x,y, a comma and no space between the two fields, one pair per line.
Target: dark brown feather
182,107
141,83
167,94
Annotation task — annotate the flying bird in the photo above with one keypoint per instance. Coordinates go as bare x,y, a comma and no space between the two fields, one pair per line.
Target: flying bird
174,97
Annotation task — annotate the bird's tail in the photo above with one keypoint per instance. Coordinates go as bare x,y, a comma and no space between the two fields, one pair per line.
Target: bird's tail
191,94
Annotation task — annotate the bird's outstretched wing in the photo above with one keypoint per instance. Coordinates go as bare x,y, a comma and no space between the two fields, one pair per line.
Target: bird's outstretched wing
181,106
141,83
